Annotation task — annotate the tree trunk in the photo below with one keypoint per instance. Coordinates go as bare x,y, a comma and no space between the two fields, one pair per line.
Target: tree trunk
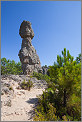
64,98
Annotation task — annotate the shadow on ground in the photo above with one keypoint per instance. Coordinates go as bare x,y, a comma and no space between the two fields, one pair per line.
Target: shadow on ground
32,100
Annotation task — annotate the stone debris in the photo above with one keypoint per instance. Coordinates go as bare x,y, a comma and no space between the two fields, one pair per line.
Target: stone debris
22,92
5,90
20,78
8,103
17,105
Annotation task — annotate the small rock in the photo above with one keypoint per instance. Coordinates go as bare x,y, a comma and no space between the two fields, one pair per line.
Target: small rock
7,84
17,113
2,93
18,93
22,92
7,103
5,90
18,87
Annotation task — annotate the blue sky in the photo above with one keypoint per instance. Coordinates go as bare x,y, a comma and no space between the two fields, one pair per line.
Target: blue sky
56,25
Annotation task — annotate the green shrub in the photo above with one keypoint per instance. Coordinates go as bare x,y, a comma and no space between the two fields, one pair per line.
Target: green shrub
26,85
40,76
49,116
10,67
63,92
10,88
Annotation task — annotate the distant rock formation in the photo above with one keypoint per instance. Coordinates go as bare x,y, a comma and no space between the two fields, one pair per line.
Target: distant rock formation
27,54
44,70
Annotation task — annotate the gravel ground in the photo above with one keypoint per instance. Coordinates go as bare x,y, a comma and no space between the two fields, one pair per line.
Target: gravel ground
19,104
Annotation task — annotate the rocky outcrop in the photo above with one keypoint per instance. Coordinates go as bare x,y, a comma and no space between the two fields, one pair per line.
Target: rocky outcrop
9,81
27,54
44,70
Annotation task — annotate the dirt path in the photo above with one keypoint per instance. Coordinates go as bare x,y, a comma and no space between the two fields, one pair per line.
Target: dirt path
22,104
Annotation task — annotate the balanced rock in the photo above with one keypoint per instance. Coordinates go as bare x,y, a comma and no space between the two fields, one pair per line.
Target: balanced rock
27,54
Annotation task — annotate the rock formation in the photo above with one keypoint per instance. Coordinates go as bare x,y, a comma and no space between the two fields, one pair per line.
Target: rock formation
27,54
44,70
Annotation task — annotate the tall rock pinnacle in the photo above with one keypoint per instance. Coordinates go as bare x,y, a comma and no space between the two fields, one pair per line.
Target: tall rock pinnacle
27,54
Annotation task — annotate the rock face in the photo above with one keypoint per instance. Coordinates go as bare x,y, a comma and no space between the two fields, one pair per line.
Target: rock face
27,54
44,70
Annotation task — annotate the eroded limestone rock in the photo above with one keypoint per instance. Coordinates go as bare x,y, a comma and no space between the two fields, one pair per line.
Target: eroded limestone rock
27,54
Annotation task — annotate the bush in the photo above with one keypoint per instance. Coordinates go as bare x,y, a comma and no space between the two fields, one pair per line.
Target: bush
63,92
10,67
10,88
26,85
40,76
49,116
